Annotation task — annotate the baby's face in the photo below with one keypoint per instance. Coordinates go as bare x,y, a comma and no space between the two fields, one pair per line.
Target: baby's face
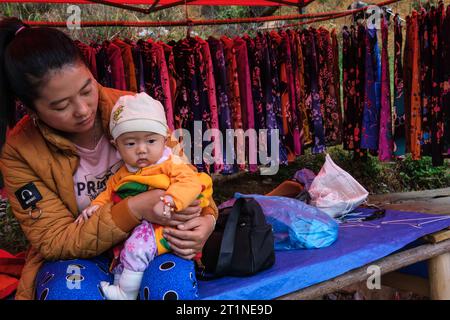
140,149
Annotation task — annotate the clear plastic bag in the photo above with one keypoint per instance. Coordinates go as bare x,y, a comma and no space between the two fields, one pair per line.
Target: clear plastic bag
295,224
335,191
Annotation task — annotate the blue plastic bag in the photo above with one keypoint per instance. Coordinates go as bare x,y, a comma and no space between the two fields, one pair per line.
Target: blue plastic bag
295,224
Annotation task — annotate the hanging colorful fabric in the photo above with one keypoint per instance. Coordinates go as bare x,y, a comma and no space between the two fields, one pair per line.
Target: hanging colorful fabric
300,92
371,115
330,113
276,96
414,109
349,52
436,114
245,91
212,100
313,96
385,140
445,84
425,34
360,88
399,98
224,108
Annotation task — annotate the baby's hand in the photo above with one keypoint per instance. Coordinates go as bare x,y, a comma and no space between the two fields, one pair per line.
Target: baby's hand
164,209
86,213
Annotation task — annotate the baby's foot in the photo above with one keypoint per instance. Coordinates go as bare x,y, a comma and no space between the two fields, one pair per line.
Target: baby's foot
127,287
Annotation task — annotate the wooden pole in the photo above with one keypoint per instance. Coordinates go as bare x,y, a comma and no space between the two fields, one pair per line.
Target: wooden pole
439,277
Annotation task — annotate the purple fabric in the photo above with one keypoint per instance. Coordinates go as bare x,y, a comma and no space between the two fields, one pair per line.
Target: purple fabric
298,269
305,177
371,114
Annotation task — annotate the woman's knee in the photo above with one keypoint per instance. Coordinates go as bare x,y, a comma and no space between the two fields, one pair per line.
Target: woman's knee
72,279
169,277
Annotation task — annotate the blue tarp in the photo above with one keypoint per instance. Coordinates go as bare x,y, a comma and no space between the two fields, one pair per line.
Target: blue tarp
358,244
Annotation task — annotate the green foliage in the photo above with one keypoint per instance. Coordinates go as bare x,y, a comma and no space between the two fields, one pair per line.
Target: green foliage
420,174
12,238
230,12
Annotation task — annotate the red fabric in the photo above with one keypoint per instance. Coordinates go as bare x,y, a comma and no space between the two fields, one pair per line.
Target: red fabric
10,269
198,2
7,285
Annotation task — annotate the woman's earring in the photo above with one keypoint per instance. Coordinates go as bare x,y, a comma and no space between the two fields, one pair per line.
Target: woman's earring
34,118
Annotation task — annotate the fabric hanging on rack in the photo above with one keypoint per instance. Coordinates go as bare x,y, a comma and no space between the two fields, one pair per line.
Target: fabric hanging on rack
330,114
354,86
224,107
212,100
445,84
138,66
436,114
295,91
426,74
187,104
313,96
371,114
114,55
254,51
202,110
128,64
385,139
275,96
407,70
89,54
413,103
171,69
337,79
280,47
233,88
299,77
247,108
360,88
104,68
291,114
399,98
156,74
262,44
349,59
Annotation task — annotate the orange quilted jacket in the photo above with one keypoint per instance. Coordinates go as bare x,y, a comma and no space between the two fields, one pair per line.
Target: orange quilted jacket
41,156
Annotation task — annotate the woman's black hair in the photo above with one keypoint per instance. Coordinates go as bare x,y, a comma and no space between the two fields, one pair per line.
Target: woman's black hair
27,55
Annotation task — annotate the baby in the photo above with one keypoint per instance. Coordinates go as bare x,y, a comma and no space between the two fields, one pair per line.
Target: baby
139,130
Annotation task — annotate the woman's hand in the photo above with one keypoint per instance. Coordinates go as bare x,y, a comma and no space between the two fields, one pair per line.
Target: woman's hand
188,239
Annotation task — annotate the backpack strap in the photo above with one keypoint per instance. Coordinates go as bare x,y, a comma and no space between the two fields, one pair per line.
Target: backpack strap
229,236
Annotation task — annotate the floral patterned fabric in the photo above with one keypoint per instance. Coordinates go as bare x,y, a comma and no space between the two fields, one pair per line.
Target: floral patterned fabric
312,89
224,107
385,139
371,114
399,99
245,90
328,97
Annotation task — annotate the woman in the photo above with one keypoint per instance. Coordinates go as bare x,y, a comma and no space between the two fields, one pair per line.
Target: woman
58,158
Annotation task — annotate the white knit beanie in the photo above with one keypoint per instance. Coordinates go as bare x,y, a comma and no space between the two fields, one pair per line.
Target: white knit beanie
137,113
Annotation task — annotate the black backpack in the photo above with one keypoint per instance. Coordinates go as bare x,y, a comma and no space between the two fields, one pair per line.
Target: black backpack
241,244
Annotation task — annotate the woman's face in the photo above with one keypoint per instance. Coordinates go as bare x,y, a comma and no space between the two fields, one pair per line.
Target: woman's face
68,101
